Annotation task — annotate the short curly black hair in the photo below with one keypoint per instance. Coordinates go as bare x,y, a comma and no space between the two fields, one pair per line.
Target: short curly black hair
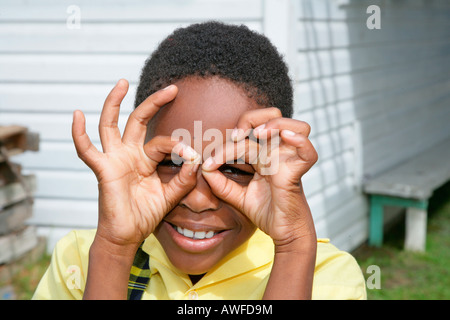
232,52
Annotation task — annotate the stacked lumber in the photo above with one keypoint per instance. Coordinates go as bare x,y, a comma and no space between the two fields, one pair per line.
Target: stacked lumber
16,195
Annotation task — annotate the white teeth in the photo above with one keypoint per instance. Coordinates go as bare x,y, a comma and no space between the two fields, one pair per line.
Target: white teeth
188,233
198,235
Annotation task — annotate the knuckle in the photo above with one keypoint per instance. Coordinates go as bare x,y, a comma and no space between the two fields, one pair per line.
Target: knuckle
275,111
245,117
306,127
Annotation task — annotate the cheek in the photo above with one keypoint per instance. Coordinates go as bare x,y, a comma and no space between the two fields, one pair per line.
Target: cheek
247,229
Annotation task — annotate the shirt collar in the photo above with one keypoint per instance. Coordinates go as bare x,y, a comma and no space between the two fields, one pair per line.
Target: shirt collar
256,252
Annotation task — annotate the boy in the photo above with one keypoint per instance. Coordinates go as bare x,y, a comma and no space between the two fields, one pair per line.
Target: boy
211,227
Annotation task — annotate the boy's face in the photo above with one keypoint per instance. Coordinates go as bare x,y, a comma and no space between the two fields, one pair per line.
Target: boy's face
218,103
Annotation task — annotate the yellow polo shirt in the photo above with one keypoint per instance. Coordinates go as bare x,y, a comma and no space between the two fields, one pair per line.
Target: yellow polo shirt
243,274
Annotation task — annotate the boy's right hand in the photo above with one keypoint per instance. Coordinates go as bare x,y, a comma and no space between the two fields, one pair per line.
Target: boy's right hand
132,198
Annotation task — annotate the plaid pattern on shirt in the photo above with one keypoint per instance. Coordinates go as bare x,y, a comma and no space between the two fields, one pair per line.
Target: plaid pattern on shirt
139,275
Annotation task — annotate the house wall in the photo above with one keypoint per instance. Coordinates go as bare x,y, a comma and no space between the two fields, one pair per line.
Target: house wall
373,97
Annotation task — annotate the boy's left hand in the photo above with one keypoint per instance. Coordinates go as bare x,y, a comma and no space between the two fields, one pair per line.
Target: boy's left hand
274,202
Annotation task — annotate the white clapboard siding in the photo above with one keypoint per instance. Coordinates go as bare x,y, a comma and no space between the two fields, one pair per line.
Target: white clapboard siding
133,10
62,213
373,98
53,156
59,97
57,127
377,96
48,69
130,38
71,68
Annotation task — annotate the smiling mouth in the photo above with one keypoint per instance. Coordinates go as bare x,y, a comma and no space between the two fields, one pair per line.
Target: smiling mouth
195,235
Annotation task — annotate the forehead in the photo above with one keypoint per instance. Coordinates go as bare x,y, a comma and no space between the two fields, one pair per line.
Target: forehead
216,102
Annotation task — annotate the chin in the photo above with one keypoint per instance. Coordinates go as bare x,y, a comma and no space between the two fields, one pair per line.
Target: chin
196,257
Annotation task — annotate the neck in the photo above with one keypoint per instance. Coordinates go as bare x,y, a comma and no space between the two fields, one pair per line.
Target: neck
195,278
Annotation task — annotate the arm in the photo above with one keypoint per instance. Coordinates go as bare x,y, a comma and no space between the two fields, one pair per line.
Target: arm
108,271
274,199
291,277
132,198
292,272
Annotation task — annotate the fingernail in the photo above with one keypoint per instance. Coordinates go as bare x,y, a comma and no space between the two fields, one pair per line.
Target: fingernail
194,169
234,134
189,152
289,133
239,134
259,128
208,163
168,87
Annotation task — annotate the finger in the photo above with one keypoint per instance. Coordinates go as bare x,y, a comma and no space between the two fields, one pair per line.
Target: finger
273,126
108,129
305,149
86,151
181,184
185,180
252,119
246,150
136,127
160,146
177,187
225,189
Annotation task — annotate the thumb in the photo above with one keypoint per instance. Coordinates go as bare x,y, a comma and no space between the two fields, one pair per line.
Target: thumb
225,189
181,184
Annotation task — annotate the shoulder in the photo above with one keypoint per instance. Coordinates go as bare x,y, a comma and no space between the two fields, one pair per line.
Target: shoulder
79,240
74,248
337,275
66,274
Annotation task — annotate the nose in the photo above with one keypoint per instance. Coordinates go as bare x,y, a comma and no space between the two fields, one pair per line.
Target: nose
201,198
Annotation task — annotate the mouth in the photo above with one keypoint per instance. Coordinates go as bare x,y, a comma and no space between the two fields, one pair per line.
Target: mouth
195,235
196,238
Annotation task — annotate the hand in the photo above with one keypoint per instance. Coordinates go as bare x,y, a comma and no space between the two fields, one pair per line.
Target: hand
273,202
132,198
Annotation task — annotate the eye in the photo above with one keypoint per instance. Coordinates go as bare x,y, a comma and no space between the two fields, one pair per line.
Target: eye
240,176
167,169
169,163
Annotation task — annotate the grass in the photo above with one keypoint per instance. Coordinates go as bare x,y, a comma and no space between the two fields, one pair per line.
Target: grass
410,275
27,277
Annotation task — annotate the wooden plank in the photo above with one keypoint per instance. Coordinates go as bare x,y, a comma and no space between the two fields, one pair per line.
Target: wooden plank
416,178
16,139
15,245
416,229
12,218
16,192
7,271
8,132
8,171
